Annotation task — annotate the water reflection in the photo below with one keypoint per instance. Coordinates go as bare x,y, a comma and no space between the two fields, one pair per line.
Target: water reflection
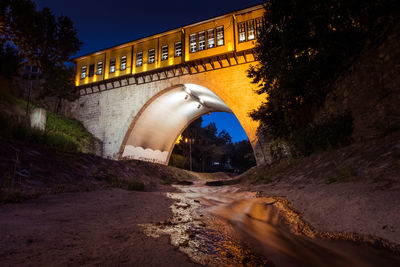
216,226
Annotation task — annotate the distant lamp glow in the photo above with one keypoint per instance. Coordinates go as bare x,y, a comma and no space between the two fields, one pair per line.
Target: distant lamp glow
179,140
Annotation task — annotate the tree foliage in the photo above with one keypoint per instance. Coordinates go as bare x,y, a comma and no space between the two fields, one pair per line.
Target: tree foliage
303,47
212,151
9,61
42,39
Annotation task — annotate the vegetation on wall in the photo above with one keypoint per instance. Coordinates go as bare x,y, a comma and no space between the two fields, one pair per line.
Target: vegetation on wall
303,48
61,133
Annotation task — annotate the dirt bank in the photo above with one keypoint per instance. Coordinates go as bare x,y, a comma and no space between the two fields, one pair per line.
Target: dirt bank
87,228
33,170
351,190
73,212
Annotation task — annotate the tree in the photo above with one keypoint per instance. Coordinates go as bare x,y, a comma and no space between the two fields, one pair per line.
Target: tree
304,46
41,39
243,156
210,147
60,83
9,61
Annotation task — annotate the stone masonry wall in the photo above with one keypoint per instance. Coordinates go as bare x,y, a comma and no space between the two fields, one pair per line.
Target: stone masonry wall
371,90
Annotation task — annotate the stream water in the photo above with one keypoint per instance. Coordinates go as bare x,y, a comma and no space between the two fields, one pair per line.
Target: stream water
221,226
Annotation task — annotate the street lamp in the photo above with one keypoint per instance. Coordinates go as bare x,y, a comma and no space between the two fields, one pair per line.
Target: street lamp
190,140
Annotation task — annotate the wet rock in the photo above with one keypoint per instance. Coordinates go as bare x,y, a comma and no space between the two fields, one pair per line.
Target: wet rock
182,206
215,183
229,255
184,182
191,233
184,243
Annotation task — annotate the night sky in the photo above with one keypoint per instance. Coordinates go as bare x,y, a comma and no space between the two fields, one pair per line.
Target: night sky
102,24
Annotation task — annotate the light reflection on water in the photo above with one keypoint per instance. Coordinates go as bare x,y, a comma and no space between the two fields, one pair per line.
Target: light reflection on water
216,226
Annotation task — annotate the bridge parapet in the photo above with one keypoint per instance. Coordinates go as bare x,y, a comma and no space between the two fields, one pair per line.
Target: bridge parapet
187,68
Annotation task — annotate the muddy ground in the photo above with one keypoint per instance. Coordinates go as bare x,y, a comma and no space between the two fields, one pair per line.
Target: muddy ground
73,213
87,228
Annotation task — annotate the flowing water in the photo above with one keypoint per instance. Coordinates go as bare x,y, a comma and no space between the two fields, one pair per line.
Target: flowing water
221,226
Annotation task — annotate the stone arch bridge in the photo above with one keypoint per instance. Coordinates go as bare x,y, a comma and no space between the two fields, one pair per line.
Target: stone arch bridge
140,116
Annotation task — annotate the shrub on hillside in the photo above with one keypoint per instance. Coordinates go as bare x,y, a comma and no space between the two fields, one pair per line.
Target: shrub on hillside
12,128
332,132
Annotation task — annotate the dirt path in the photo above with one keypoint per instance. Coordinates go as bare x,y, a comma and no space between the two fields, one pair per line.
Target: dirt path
87,228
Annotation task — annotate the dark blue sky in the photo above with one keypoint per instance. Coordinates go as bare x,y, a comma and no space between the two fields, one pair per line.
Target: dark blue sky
102,24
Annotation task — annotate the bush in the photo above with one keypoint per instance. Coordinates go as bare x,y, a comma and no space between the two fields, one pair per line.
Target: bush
178,161
135,185
344,173
11,128
112,181
60,124
332,132
64,133
12,196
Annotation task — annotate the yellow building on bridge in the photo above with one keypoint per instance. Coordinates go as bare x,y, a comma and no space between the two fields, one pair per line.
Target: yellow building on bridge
230,33
138,97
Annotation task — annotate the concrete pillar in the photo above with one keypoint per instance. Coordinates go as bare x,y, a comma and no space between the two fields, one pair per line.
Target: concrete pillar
38,118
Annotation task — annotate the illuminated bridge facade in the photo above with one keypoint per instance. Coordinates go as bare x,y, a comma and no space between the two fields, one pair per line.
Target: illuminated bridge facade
139,97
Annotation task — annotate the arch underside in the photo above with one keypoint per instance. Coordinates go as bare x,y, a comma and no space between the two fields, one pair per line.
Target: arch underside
163,119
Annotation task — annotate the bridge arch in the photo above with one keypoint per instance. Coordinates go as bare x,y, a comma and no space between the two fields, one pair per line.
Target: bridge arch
153,132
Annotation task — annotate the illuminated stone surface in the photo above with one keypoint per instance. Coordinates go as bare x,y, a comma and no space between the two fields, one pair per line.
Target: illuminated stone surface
151,116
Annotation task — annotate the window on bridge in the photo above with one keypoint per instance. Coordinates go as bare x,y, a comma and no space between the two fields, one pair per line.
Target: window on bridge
178,49
123,63
259,25
112,65
250,30
193,43
139,59
91,70
220,36
210,38
99,68
152,56
202,41
242,32
83,72
164,52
